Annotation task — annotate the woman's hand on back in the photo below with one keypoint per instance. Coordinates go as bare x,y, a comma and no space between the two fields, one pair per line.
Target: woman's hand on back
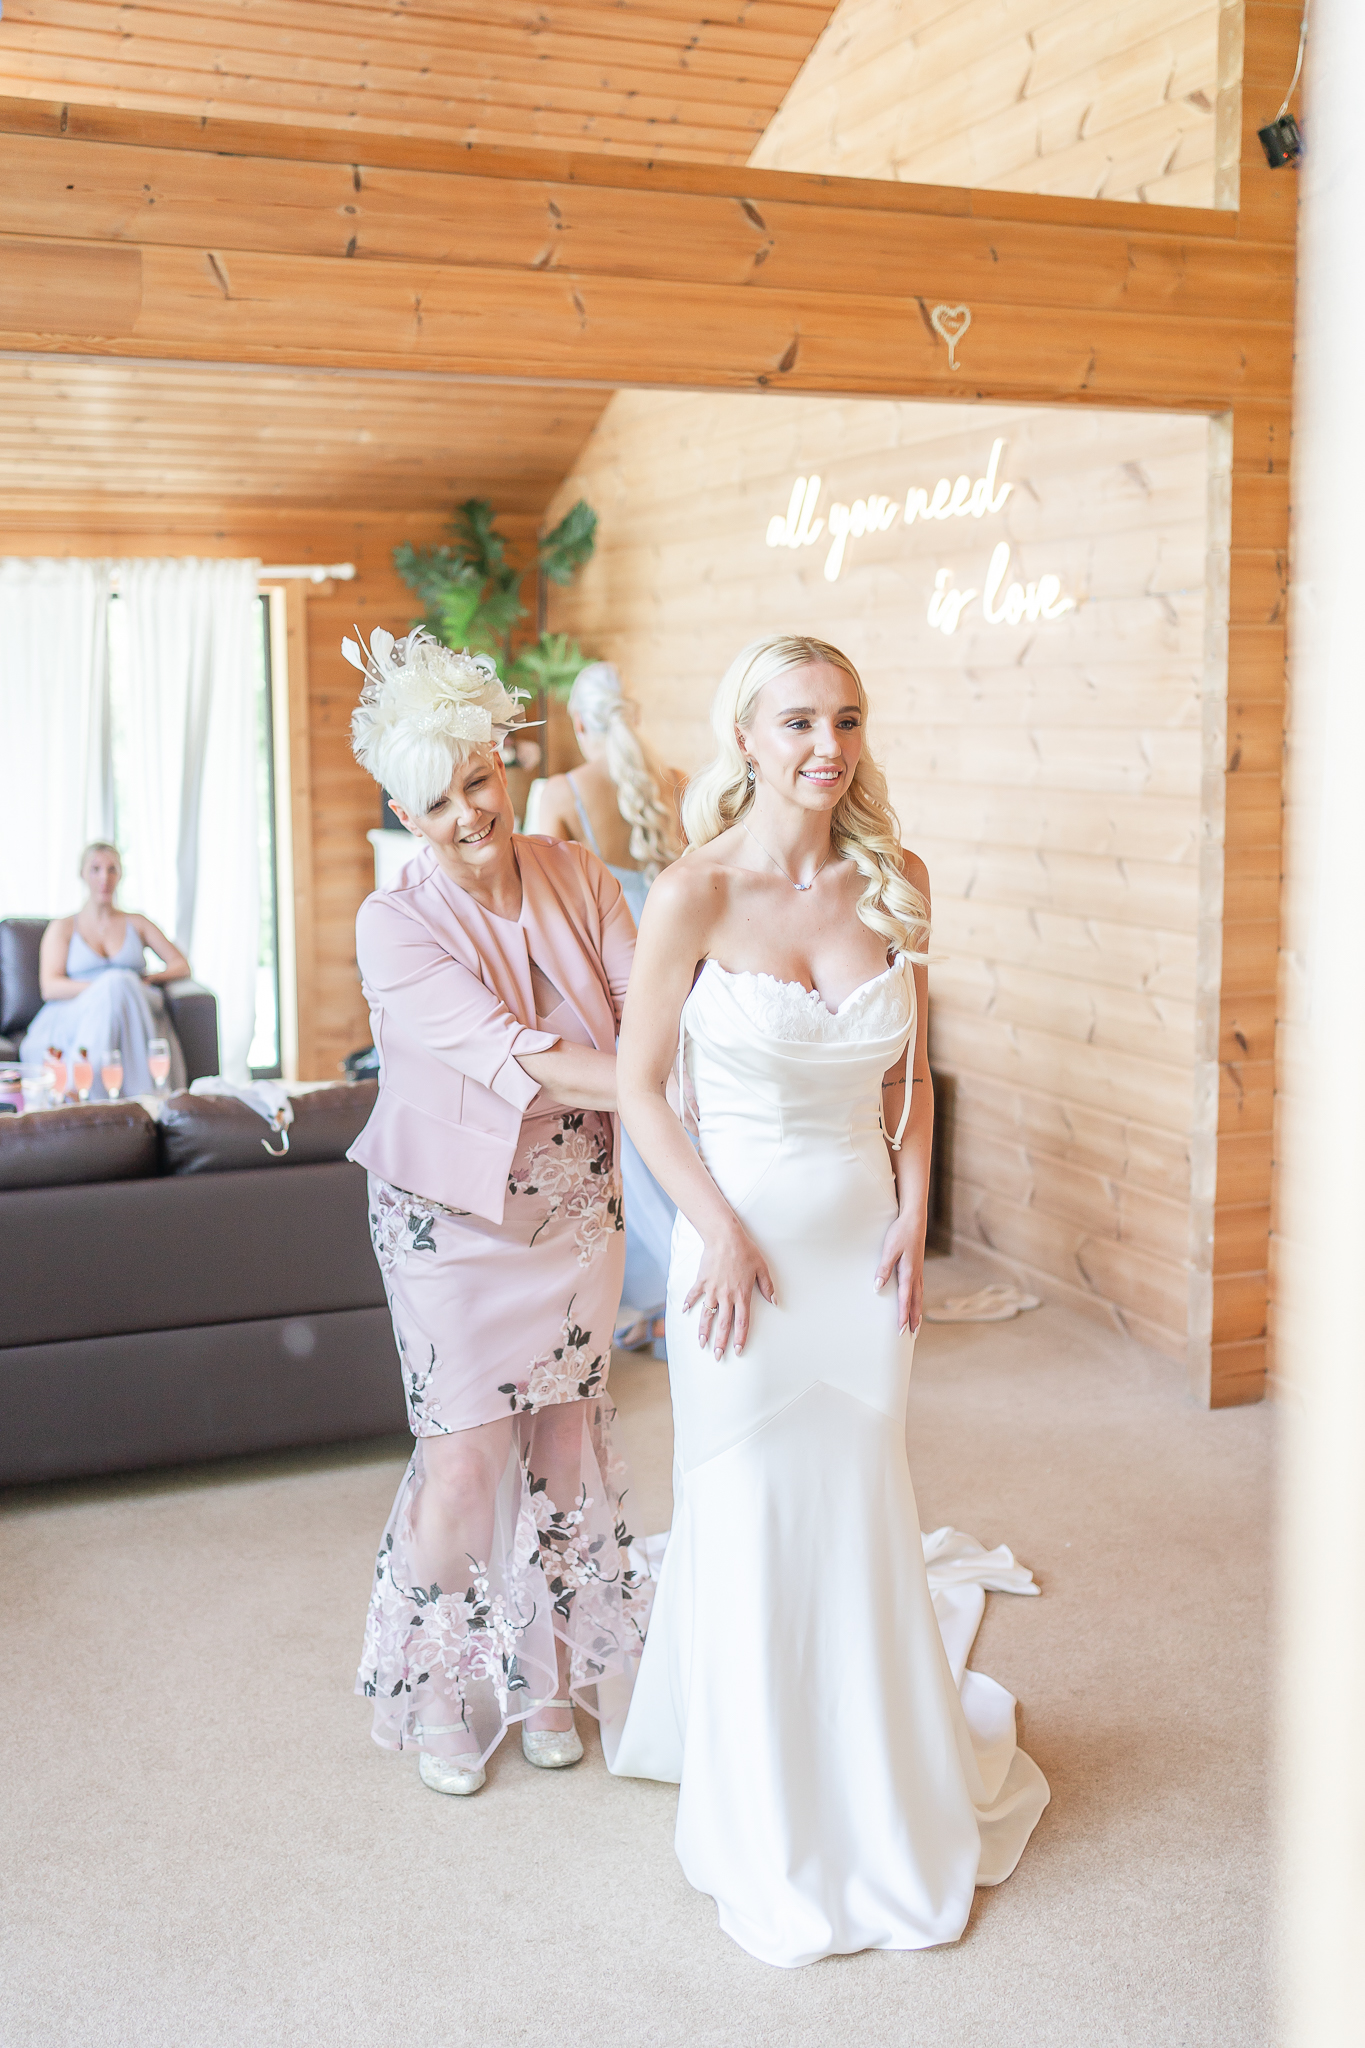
731,1267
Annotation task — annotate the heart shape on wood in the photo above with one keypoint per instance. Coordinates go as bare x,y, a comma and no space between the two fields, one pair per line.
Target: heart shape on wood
951,323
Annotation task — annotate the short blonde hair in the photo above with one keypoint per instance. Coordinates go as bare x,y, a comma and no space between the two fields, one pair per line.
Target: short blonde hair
423,711
864,828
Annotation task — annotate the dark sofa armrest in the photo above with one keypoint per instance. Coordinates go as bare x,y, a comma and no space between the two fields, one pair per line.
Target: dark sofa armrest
194,1013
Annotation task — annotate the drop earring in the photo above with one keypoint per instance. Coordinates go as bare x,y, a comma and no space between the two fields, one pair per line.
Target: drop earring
750,776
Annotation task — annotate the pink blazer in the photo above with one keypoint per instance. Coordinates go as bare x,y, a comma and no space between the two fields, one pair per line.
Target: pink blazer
449,989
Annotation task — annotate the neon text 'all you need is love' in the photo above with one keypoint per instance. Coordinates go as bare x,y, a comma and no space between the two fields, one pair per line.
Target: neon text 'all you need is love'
1002,603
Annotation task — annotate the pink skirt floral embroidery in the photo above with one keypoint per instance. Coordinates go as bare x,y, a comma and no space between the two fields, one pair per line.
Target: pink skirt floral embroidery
492,1319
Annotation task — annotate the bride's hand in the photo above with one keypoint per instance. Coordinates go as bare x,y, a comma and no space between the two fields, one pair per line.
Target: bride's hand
731,1267
903,1255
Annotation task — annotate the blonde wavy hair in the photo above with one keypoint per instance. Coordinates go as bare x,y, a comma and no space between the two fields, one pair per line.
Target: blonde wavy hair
864,828
599,699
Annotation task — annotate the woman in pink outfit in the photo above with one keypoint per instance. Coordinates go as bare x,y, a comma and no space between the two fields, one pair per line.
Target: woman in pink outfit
495,973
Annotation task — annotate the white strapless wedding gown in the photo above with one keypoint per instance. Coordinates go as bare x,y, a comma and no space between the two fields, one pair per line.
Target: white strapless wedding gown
845,1782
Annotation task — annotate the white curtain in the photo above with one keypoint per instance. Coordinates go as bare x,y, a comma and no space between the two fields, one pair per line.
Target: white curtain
56,789
188,771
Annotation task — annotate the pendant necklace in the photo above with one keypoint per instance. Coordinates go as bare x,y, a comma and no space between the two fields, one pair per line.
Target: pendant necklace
800,887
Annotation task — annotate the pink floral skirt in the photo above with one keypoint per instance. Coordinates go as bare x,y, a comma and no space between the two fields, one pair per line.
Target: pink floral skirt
490,1319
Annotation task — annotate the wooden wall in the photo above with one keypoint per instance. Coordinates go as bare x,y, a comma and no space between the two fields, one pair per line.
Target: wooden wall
1236,876
1246,762
153,235
1050,774
1095,100
334,865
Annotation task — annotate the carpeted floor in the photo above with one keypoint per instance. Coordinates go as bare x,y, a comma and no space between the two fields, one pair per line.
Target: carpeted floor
202,1847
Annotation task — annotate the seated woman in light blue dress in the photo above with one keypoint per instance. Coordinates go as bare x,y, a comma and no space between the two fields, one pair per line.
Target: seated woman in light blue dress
623,806
97,992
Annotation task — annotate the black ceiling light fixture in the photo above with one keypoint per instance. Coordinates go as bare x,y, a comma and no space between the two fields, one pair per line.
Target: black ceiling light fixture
1280,138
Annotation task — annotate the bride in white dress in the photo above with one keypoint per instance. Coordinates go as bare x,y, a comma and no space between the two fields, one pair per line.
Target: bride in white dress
844,1782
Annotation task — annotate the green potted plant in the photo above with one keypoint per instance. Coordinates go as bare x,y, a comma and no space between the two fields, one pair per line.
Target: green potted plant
471,593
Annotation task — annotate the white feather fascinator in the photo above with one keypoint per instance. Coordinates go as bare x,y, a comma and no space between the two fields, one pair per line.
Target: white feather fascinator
421,707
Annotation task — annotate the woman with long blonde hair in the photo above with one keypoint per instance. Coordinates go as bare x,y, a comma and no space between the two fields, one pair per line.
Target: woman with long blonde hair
621,804
836,1791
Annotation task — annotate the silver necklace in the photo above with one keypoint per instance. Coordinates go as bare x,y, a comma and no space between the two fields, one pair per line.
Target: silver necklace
800,887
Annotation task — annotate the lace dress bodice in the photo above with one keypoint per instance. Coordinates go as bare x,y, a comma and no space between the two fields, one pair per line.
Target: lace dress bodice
875,1010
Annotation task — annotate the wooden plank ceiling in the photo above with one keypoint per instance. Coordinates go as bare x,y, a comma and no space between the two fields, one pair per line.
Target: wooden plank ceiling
630,77
105,431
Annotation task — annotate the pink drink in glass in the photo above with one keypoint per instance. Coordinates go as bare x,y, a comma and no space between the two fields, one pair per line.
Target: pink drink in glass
56,1073
82,1075
159,1062
111,1073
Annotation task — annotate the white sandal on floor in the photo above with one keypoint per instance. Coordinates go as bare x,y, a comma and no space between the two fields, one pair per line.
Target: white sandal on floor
551,1749
457,1775
996,1304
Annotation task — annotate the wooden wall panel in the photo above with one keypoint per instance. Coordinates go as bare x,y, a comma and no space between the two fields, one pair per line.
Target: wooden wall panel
345,803
1051,775
1095,100
1215,908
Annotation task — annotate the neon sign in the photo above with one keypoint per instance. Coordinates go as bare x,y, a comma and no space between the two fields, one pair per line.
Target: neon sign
1021,601
961,498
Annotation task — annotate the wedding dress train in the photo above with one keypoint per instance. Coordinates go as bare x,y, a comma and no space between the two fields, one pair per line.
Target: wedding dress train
844,1781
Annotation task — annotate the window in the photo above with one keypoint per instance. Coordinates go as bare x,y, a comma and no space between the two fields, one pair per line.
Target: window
148,879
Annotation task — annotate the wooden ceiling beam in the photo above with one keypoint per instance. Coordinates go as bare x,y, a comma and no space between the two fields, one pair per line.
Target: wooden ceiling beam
145,236
276,142
78,189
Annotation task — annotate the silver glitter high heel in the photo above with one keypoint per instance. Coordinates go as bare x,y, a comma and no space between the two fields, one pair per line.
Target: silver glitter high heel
458,1775
551,1749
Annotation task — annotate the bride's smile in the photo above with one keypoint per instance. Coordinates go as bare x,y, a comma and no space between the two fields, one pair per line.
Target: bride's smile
804,740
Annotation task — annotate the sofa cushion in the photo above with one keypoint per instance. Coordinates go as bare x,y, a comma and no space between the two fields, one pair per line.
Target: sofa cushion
157,1397
90,1141
20,996
219,1134
181,1250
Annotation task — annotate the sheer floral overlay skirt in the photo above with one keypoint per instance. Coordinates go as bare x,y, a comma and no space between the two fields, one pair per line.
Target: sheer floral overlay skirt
509,1321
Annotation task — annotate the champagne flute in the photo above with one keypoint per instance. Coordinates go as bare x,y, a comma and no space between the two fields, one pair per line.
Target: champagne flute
82,1074
55,1064
159,1062
111,1072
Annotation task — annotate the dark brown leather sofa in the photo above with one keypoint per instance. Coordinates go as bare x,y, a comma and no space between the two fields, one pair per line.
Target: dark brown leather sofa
194,1010
168,1292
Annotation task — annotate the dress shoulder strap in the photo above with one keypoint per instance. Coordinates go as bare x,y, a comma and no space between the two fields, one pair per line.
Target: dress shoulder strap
895,1143
583,817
